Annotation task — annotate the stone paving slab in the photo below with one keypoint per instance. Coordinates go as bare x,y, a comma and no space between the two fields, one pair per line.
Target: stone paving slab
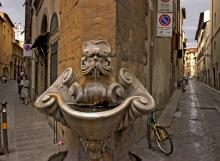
166,117
28,129
141,150
45,154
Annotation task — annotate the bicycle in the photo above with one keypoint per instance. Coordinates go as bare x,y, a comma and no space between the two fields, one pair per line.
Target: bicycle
162,137
180,84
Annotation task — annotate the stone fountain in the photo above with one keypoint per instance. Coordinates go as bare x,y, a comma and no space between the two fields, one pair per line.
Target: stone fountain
95,112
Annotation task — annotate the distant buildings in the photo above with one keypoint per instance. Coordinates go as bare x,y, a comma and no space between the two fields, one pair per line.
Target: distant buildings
11,44
208,40
190,62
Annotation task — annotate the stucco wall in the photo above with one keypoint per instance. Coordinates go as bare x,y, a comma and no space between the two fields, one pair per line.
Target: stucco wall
7,31
161,71
215,48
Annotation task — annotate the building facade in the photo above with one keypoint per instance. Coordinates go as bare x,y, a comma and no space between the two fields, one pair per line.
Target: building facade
202,35
214,69
7,36
57,31
190,62
11,48
42,31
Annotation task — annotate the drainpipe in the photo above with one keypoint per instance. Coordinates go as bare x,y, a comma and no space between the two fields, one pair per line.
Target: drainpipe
152,48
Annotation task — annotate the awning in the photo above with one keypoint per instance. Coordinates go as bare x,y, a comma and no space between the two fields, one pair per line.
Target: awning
41,40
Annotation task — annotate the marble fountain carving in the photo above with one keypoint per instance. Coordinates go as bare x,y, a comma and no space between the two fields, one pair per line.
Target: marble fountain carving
95,112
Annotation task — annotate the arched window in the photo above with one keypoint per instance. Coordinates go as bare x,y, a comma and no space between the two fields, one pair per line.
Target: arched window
54,23
44,25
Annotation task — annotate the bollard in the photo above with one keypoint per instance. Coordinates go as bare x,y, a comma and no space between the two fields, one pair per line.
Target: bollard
4,127
1,149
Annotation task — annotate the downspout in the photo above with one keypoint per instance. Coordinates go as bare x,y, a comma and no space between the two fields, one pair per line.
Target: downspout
152,47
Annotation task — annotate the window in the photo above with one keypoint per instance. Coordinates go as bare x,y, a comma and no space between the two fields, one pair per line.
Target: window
214,46
54,23
44,25
53,63
214,20
37,5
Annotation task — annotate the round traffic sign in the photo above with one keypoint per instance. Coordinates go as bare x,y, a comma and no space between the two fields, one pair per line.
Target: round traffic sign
27,47
164,20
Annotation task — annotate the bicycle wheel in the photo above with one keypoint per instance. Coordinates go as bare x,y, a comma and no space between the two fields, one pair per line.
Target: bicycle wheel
163,140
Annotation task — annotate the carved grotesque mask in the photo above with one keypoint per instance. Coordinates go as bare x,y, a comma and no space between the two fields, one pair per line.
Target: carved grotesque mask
96,58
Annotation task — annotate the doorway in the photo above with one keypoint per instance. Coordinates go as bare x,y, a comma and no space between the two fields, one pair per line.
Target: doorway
214,84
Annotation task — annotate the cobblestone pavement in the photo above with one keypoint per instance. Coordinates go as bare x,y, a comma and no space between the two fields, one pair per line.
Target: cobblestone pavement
28,130
195,130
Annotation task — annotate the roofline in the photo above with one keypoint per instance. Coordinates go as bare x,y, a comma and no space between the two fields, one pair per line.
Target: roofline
201,17
6,15
2,19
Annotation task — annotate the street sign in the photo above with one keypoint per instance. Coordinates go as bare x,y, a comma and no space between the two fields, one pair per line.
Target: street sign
27,51
165,5
164,24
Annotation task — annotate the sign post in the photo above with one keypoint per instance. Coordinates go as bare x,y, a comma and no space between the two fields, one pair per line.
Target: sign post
27,51
164,24
165,5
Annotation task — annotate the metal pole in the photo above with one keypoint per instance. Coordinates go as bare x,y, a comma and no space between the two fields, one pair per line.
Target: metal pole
4,127
1,149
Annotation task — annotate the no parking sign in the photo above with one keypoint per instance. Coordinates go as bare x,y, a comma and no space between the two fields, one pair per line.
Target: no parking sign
164,24
27,51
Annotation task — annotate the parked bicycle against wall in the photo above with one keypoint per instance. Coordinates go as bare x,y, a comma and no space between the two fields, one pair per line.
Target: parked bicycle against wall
161,136
186,80
180,85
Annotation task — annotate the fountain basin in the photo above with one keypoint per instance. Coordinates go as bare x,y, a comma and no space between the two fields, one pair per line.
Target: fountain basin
95,127
100,125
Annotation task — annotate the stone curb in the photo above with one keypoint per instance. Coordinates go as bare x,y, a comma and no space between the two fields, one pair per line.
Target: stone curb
211,88
167,116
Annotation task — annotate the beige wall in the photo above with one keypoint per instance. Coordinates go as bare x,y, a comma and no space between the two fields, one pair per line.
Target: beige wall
6,50
43,79
215,47
17,61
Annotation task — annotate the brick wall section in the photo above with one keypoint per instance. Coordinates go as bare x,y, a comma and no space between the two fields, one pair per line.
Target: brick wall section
83,20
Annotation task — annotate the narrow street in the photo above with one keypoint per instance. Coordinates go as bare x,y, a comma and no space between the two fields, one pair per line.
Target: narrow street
28,130
195,130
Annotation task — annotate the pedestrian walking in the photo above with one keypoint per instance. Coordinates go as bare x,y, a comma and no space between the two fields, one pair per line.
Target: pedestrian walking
20,77
24,90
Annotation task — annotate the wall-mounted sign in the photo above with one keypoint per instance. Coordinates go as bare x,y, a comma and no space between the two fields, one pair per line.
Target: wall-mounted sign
27,51
165,5
164,24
